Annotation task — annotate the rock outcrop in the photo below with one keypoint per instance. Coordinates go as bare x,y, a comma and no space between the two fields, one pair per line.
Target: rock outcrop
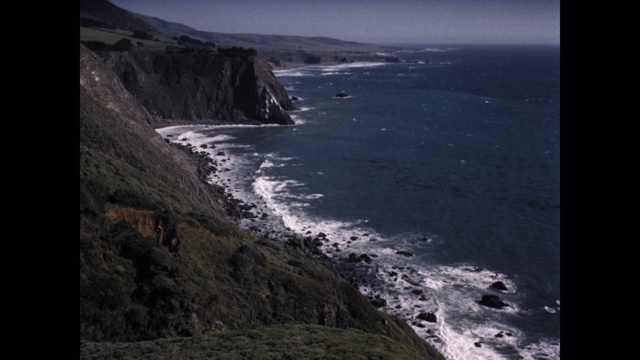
202,86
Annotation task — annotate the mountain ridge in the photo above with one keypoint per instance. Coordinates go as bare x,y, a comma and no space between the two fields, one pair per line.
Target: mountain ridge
258,41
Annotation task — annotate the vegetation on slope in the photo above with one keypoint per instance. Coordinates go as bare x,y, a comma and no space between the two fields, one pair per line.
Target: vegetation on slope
160,259
274,342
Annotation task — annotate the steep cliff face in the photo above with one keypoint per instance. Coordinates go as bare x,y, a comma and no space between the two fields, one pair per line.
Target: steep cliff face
201,86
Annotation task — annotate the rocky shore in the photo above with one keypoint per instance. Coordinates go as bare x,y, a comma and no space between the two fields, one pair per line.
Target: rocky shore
358,269
413,303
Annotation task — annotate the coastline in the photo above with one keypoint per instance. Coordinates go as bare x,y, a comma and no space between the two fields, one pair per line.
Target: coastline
236,209
360,270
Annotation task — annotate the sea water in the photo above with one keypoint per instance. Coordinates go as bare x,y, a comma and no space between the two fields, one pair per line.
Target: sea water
444,169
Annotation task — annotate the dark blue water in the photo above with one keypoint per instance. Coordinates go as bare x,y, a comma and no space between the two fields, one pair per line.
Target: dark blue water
452,155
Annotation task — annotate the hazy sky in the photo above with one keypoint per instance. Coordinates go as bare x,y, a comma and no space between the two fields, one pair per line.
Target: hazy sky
376,21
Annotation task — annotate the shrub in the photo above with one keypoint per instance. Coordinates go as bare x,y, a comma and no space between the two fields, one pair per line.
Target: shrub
139,34
237,51
95,45
313,60
123,45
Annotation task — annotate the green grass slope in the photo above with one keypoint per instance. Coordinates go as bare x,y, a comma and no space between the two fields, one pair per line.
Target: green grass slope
275,342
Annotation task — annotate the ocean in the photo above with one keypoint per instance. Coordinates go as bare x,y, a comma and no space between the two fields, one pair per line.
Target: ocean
444,169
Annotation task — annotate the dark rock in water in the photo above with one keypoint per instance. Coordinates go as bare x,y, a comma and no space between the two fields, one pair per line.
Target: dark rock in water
322,235
477,344
499,285
379,302
430,317
204,146
248,215
341,94
354,258
404,253
353,238
492,301
417,292
294,98
499,335
221,153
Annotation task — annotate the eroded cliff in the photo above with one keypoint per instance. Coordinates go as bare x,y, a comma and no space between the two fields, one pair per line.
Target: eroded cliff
202,86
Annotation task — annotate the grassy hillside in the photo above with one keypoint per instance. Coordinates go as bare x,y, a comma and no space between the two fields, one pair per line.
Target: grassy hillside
275,342
108,36
261,41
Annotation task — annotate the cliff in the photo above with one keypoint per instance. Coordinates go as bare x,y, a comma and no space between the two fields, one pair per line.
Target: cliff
200,86
162,265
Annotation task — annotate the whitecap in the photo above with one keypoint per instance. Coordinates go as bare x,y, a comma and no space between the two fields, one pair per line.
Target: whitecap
544,349
221,138
296,72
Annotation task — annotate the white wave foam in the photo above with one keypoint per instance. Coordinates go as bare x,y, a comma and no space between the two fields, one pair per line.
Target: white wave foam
190,136
352,65
274,193
221,138
276,157
473,343
330,73
473,277
431,49
266,164
297,120
296,72
544,349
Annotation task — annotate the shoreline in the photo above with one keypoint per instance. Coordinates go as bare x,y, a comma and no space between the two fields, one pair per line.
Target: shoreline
360,270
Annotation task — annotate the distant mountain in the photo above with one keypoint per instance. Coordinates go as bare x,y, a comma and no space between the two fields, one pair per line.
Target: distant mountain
103,11
258,41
